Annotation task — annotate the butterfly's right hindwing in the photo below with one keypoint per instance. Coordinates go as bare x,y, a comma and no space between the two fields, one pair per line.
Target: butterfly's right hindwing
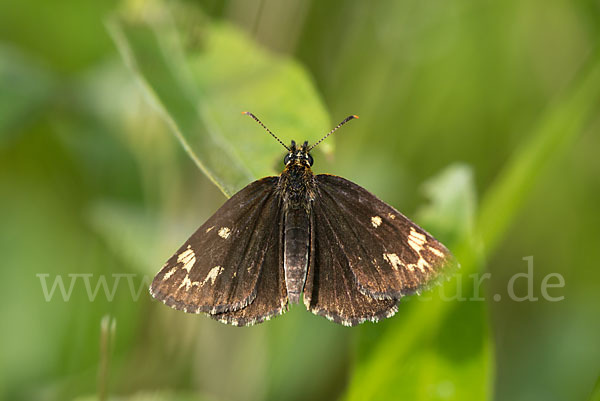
217,270
331,289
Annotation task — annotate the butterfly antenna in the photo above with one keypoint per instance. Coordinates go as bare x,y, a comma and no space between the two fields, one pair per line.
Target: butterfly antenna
262,125
352,117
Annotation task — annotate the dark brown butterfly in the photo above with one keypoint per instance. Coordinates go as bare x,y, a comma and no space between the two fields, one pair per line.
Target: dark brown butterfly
351,255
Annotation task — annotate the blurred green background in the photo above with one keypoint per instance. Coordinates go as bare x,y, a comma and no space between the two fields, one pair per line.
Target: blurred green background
120,133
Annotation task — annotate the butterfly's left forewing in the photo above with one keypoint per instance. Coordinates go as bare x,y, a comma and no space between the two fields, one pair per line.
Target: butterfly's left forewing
217,270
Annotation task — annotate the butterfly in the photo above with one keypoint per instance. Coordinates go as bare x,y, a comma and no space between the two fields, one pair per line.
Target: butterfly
350,256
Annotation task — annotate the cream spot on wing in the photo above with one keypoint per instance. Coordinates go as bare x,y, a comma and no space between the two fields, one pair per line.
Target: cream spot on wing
391,216
188,283
422,264
417,247
416,240
169,273
376,221
393,260
188,258
436,252
224,232
418,237
212,275
210,228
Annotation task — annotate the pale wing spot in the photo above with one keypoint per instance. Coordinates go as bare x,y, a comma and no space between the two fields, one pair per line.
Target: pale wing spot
436,252
416,240
414,245
391,216
210,228
169,273
188,258
224,232
422,264
188,283
212,275
376,221
418,237
393,260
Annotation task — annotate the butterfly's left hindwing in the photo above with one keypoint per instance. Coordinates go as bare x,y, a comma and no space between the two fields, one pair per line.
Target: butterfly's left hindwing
217,270
271,294
388,255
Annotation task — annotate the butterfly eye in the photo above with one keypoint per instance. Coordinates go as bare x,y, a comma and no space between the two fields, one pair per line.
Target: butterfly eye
286,159
310,159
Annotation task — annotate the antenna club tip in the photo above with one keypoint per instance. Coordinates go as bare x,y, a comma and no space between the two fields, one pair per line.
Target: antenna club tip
355,116
245,112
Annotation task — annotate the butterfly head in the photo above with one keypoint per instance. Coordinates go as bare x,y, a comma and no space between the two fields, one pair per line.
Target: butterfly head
298,155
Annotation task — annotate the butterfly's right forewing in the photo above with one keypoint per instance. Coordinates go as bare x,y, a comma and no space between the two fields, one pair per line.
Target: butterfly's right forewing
218,267
389,255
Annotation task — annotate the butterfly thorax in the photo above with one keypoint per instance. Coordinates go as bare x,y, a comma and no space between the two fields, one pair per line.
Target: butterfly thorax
297,186
297,182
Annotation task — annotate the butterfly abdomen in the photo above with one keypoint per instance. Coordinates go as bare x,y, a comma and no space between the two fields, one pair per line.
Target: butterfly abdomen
295,251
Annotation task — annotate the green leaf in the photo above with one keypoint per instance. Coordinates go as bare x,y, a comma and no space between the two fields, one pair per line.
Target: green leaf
451,211
201,76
